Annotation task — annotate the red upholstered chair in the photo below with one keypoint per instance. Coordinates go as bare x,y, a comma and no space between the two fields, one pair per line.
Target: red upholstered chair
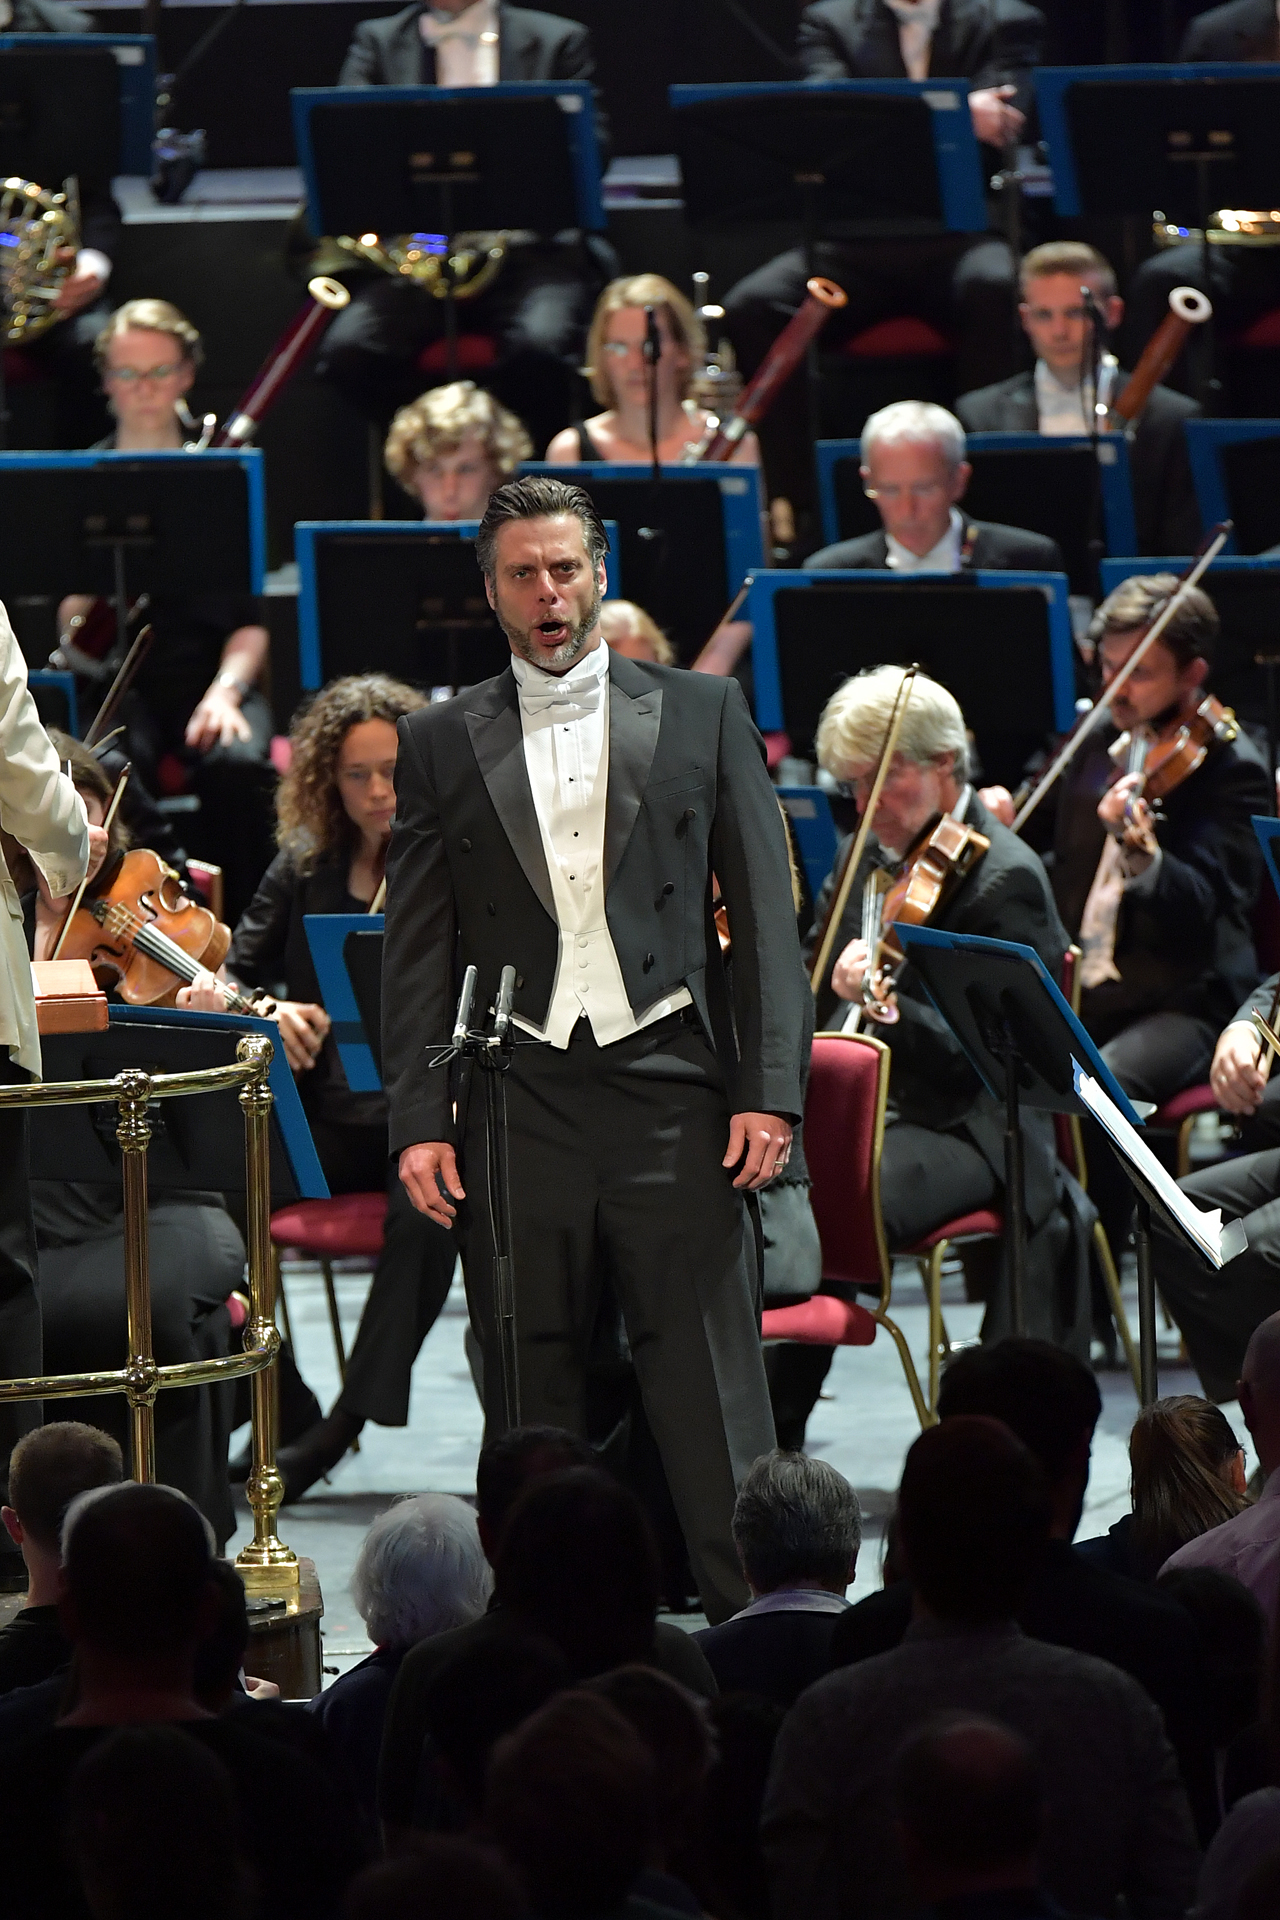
905,337
473,352
345,1227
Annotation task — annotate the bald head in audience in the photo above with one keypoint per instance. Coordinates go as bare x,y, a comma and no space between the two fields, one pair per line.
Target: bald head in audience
967,1808
1260,1391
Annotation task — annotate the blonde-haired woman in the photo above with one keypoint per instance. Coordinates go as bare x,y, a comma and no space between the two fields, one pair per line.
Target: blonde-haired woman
619,376
334,810
451,447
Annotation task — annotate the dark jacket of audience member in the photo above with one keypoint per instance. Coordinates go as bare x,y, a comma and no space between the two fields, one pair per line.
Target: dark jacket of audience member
460,1878
995,546
48,1468
974,1512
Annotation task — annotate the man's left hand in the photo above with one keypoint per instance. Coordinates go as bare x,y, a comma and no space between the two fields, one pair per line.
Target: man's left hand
217,721
765,1139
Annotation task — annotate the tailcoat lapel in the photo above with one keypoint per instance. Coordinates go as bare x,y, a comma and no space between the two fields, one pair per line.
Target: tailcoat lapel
497,740
635,715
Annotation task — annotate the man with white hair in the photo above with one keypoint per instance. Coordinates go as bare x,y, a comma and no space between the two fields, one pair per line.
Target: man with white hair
913,467
943,1153
1248,1547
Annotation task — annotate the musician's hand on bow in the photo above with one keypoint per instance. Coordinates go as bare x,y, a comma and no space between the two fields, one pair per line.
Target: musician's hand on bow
762,1141
999,802
850,971
995,122
1237,1079
217,721
423,1170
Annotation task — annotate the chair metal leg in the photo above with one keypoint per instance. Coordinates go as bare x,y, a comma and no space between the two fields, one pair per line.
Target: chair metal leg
282,1302
1111,1280
891,1327
335,1323
939,1344
1184,1146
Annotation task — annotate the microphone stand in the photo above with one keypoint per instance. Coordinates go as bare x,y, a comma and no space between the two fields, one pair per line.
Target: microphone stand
652,355
491,1053
1097,344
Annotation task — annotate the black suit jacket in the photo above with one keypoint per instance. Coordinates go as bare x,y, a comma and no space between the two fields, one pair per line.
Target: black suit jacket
1187,945
988,45
1005,897
774,1654
1243,30
1073,1603
995,546
391,52
1164,498
467,882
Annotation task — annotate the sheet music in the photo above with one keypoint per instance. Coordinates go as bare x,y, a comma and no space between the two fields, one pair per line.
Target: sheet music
1218,1243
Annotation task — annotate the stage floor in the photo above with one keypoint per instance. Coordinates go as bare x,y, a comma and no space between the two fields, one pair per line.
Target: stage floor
863,1425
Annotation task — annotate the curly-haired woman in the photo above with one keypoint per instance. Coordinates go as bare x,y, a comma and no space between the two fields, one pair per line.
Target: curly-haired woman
334,810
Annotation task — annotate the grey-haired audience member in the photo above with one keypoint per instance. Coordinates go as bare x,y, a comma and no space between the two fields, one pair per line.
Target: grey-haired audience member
420,1571
797,1527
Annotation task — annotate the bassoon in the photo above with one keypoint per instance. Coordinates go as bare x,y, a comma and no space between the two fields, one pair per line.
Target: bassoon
823,298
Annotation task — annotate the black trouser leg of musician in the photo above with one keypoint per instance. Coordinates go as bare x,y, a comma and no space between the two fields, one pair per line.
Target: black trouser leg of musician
615,1167
21,1345
1216,1312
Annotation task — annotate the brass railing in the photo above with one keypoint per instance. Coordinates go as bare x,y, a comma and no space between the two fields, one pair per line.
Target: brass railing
265,1562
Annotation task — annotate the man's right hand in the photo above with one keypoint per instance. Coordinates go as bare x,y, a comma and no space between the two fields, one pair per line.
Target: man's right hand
419,1167
995,122
1237,1079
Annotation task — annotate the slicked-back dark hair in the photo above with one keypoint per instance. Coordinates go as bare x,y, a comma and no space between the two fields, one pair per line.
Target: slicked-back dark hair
1043,1394
973,1509
535,497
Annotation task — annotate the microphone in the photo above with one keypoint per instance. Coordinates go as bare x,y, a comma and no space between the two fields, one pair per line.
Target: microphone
502,1011
652,337
1089,302
462,1019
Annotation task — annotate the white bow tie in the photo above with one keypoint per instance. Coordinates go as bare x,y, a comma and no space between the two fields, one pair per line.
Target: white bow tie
459,26
582,695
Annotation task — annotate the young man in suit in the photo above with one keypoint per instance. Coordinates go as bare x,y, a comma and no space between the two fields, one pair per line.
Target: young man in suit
565,818
913,467
1058,397
538,309
961,283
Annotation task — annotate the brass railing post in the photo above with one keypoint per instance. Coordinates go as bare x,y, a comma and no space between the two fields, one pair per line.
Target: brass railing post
133,1131
265,1562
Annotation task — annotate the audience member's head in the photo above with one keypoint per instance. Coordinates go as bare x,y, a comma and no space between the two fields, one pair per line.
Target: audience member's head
1260,1391
973,1513
47,1469
154,1826
967,1807
796,1523
224,1642
913,467
1188,1476
507,1465
481,1693
451,447
571,1800
746,1730
136,1563
577,1563
629,630
420,1570
674,1727
437,1874
1053,312
1231,1632
1045,1396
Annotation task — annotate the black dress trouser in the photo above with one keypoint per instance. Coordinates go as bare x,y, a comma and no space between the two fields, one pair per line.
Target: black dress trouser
21,1344
1217,1311
615,1173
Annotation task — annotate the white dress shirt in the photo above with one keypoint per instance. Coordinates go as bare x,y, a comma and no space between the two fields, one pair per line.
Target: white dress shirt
565,722
917,24
1064,406
465,44
944,558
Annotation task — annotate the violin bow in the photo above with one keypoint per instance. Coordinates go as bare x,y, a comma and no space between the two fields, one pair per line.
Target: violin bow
120,685
78,896
1221,534
832,924
379,899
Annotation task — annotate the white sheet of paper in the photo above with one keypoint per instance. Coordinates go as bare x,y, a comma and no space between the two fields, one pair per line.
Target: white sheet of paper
1217,1243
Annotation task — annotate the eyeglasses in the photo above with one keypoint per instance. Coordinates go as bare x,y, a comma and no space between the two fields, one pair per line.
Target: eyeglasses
129,376
919,490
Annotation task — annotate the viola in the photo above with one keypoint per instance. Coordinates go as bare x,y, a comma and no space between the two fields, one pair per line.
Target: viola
940,860
1165,757
143,936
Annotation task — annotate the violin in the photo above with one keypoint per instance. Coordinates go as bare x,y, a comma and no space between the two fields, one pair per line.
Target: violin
939,861
143,936
1165,758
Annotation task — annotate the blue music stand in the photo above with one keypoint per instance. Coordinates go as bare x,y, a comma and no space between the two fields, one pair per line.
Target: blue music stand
827,152
840,486
1226,495
394,159
1268,831
327,935
135,56
369,544
809,812
59,686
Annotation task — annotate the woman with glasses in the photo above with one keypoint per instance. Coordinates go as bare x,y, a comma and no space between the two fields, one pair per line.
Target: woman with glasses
195,719
620,379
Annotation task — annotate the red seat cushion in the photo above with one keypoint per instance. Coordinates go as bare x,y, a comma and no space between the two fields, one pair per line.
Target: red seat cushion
1183,1105
901,338
474,352
1262,332
970,1226
349,1225
821,1322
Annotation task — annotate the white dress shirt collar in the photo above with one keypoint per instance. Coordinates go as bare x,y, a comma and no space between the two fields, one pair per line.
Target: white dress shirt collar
795,1600
1064,406
465,44
944,558
578,688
